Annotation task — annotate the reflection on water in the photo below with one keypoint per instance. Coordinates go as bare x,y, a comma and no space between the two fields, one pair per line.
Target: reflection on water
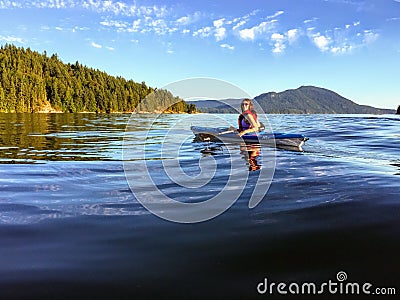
397,164
26,138
210,149
251,153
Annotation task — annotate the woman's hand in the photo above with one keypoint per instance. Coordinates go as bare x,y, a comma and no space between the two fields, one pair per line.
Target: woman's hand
245,131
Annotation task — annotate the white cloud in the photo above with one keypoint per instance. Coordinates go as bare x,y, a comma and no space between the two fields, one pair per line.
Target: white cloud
342,40
56,4
188,19
220,32
183,20
243,20
256,31
247,34
279,43
239,24
370,36
227,46
10,4
93,44
80,28
218,23
160,27
172,30
259,30
293,35
277,36
145,25
278,13
117,8
110,48
321,41
203,32
279,47
342,50
265,29
117,14
111,23
130,10
310,20
135,26
106,23
11,39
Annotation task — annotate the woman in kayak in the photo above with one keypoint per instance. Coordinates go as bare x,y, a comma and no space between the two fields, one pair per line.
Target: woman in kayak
248,121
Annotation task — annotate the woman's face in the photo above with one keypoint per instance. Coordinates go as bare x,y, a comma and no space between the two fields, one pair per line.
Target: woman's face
245,105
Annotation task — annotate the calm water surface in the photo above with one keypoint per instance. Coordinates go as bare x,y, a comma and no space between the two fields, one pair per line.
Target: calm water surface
71,227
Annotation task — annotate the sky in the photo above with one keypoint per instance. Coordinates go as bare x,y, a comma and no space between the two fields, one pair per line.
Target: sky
349,46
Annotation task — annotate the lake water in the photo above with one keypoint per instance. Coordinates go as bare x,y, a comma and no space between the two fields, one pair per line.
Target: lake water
70,225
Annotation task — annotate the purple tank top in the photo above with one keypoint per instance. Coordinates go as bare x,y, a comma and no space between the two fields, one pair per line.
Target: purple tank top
245,125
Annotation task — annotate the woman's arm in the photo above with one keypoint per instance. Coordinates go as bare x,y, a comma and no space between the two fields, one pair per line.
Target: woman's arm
254,125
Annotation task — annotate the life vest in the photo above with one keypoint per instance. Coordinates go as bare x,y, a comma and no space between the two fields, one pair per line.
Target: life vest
242,121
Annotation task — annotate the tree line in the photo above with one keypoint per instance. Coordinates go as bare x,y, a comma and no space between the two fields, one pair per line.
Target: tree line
33,82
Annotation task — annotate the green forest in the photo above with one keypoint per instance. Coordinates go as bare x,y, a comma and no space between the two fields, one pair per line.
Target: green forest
33,82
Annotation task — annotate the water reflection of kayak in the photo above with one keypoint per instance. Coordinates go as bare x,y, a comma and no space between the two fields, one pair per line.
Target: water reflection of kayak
280,140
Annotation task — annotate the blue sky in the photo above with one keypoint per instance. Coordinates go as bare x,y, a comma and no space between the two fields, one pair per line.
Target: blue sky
349,46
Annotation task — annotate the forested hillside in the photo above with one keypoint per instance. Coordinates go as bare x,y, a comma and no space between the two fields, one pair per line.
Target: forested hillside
34,82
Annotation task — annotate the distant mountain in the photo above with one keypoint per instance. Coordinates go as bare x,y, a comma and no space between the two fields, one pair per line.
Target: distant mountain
398,110
304,100
313,100
227,106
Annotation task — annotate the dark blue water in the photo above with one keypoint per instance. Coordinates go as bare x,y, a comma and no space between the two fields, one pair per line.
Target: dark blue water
70,226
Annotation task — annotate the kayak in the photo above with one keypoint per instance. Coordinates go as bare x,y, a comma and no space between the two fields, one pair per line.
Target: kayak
280,140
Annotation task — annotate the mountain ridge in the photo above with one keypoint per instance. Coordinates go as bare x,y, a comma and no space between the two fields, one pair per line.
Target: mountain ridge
303,100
